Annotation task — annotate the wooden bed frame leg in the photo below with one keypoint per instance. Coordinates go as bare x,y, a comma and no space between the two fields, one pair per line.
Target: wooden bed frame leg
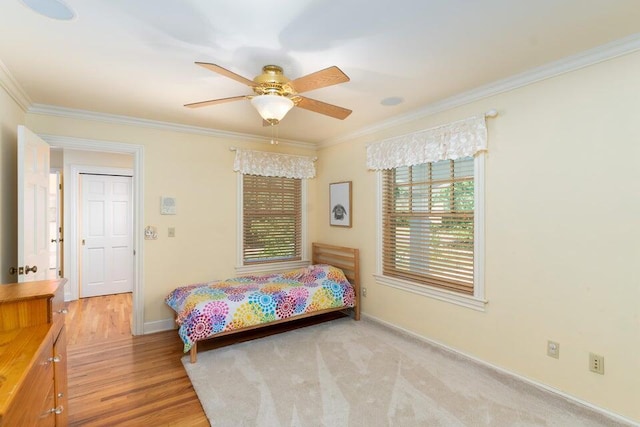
194,353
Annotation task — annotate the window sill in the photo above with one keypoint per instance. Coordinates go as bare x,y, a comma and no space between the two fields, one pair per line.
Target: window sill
270,267
467,301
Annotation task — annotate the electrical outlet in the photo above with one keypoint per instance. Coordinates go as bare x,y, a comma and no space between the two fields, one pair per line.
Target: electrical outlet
553,349
364,292
596,363
172,232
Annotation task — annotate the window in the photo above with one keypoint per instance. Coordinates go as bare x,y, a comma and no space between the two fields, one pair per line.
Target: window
271,210
272,220
428,224
430,230
431,211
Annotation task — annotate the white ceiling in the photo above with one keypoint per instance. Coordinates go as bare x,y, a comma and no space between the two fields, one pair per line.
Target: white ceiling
136,58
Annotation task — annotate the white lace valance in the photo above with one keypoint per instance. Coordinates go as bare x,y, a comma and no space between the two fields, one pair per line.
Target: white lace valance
463,138
273,164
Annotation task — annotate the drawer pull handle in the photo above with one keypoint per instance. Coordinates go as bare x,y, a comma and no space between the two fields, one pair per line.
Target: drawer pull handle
63,311
57,410
60,395
56,359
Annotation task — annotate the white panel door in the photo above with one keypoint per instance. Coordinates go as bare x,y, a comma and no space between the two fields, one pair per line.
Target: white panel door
33,201
107,235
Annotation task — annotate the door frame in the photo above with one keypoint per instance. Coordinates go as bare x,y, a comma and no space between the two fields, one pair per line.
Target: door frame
71,243
75,202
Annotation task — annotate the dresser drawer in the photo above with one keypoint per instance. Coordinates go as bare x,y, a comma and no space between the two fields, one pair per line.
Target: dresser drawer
58,307
60,378
36,392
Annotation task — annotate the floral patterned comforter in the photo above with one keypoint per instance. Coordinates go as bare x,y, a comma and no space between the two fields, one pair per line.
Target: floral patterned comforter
206,309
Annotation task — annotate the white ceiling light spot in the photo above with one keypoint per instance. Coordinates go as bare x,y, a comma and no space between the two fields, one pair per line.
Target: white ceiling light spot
392,100
54,9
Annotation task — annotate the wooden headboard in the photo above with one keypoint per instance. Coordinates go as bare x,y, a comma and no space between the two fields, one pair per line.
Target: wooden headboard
346,259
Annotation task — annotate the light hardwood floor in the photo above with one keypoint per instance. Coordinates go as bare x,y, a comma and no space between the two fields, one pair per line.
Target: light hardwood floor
119,380
116,379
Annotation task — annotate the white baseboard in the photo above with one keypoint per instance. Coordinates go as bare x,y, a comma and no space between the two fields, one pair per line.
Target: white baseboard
505,371
159,326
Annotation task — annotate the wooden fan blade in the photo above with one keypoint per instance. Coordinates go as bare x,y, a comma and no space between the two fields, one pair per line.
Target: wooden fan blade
323,78
323,108
218,69
214,101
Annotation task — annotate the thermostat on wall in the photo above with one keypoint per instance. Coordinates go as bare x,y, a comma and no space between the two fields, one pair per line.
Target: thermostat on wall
167,205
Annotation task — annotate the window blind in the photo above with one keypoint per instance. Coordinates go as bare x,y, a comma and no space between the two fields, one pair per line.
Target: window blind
272,219
428,224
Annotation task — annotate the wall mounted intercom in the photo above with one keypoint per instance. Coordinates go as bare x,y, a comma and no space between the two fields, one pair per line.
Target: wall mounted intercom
167,205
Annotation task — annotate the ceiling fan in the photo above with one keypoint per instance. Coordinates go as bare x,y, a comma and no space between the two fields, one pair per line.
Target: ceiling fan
275,94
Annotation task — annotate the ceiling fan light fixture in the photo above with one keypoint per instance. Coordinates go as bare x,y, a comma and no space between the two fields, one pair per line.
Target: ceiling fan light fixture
272,108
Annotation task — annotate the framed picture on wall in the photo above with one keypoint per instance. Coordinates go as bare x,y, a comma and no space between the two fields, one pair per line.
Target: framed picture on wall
340,213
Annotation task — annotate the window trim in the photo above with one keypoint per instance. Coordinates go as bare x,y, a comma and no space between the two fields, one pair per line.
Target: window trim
476,301
241,267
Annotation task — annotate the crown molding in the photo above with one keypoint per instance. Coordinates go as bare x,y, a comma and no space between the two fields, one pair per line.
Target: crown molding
571,63
584,59
52,110
13,88
17,93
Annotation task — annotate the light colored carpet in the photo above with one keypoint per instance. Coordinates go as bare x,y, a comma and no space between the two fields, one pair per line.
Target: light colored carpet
348,373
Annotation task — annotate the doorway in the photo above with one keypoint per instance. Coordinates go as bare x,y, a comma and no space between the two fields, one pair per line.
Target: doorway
107,236
72,198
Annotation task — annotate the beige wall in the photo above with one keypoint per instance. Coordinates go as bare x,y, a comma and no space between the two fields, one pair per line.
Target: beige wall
562,236
93,158
56,159
198,171
11,115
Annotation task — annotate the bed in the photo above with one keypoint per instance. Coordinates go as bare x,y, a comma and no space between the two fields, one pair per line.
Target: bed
224,307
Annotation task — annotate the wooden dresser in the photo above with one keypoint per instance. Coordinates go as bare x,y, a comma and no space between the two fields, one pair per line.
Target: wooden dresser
33,354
